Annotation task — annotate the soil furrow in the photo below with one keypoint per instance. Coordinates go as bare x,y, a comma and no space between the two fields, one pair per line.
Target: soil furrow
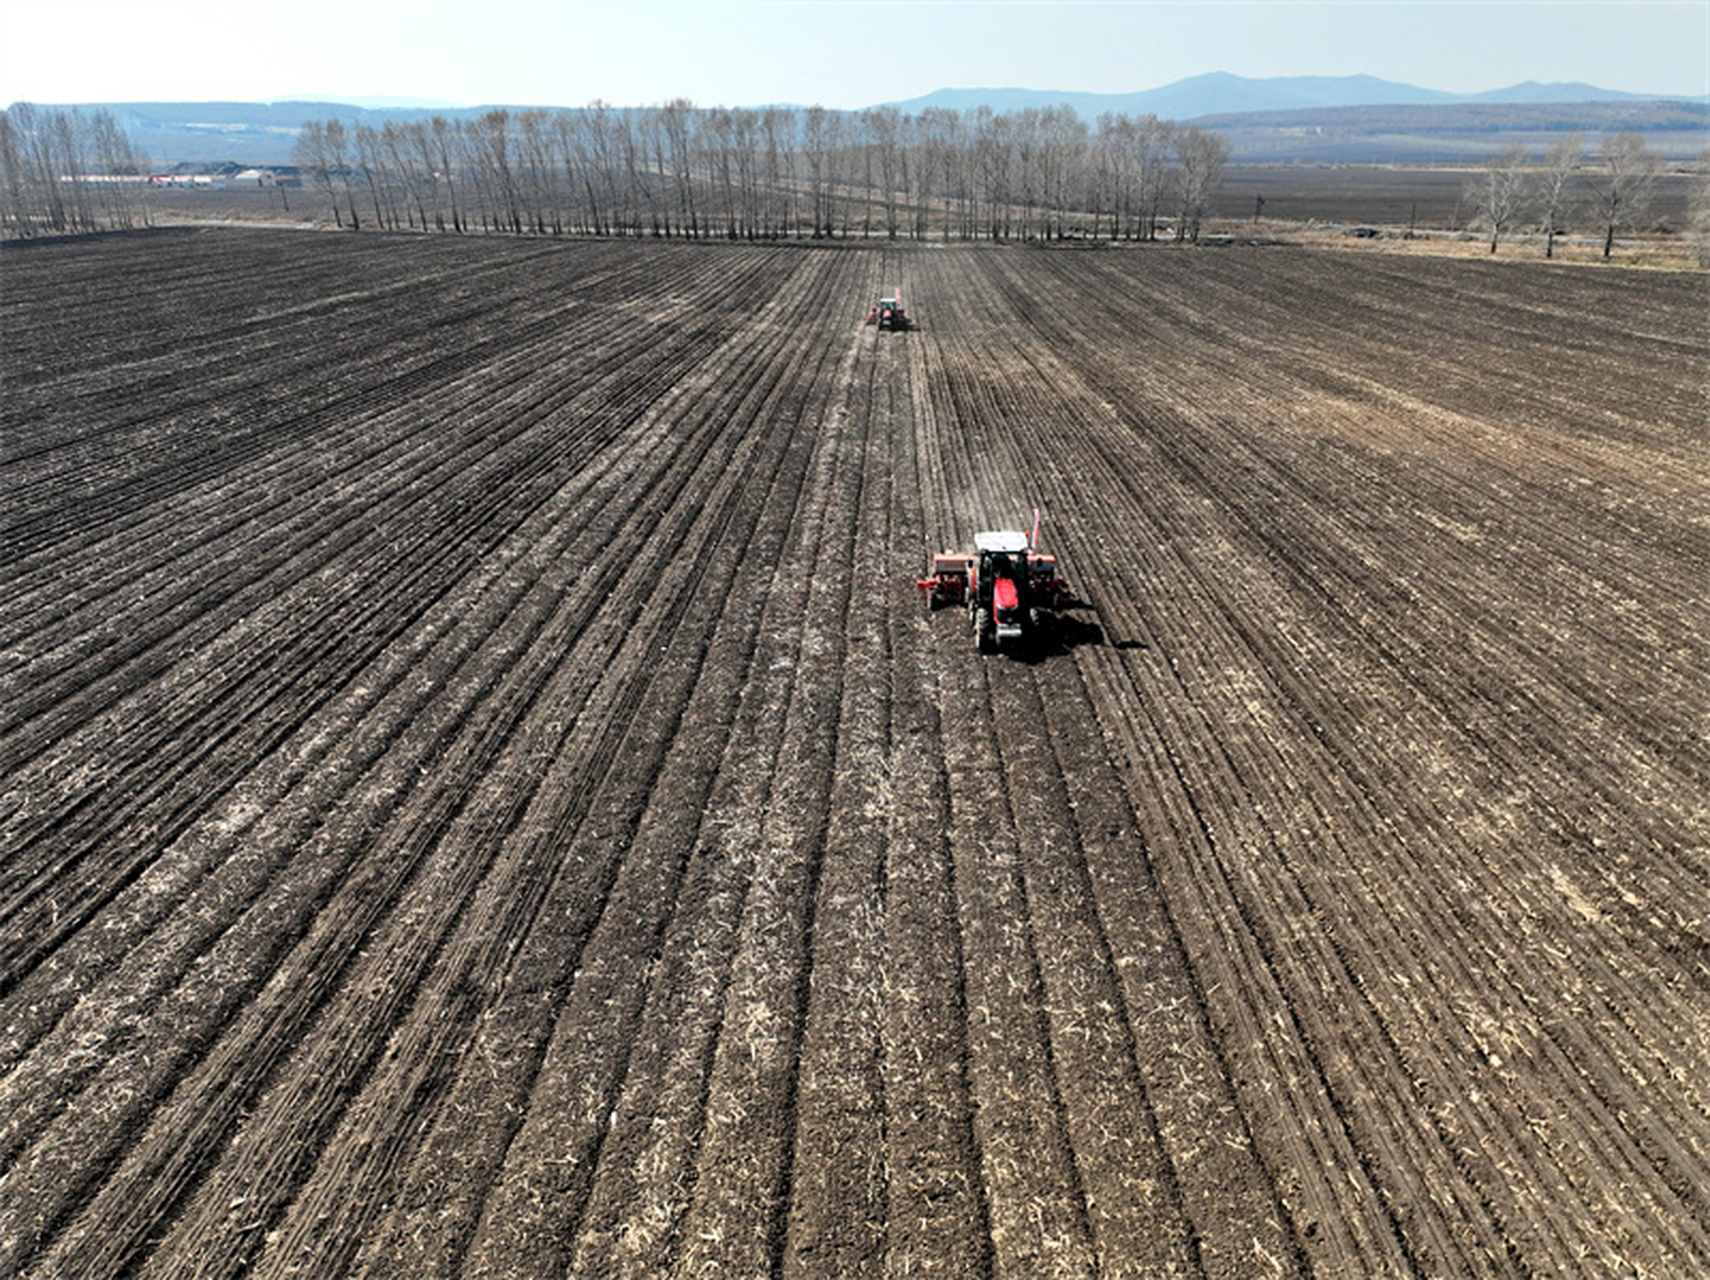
480,794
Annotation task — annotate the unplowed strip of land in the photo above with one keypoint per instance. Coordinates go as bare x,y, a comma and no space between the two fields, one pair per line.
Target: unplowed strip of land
481,795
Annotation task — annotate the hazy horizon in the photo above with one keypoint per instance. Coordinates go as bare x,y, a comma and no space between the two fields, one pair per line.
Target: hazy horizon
836,53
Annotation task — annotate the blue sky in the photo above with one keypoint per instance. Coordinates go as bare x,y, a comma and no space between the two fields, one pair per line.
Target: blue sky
838,53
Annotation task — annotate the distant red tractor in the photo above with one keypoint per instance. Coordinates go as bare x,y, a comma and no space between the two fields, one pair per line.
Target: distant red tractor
1005,582
888,313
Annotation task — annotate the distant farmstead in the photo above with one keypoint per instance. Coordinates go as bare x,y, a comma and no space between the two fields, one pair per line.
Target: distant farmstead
227,175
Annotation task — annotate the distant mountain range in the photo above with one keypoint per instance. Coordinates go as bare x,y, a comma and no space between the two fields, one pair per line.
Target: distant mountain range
1219,93
1350,119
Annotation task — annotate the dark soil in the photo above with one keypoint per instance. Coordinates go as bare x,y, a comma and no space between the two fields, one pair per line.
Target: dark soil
480,794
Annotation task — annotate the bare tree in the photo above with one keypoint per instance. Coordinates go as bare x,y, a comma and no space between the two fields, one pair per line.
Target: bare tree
322,151
310,156
883,128
639,143
1698,209
535,167
817,147
71,169
1500,193
492,138
848,154
993,159
1551,189
338,154
1622,181
1154,139
765,173
375,175
478,181
440,154
932,131
777,137
414,175
583,199
680,123
606,127
743,139
654,157
1203,156
720,136
1062,152
121,164
860,154
1133,152
1114,173
33,171
1026,143
15,213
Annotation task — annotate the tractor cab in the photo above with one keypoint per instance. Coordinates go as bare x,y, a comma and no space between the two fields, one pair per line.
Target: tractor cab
888,313
1002,610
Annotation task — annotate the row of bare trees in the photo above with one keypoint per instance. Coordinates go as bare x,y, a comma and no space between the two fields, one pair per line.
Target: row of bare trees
1611,189
63,172
681,171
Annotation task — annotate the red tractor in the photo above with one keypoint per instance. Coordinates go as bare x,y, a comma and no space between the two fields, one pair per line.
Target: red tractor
1005,582
888,313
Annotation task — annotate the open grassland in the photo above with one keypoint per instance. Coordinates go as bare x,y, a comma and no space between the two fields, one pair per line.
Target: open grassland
480,794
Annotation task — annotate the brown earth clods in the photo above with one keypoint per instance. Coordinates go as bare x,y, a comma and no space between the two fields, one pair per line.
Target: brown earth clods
481,795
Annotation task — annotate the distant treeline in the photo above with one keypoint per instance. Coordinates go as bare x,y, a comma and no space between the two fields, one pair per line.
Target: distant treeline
682,171
64,172
677,171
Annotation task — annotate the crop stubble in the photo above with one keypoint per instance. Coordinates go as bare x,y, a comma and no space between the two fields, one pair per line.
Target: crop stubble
480,794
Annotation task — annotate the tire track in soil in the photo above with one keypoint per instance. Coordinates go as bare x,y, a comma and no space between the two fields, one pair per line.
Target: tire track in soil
364,695
431,827
1222,1245
937,1215
601,1127
725,919
1322,1140
1281,892
648,810
103,582
595,859
1532,909
1125,1178
675,581
110,939
1035,1188
735,1216
839,1163
1224,1193
278,619
1035,1199
1235,787
428,826
1404,1106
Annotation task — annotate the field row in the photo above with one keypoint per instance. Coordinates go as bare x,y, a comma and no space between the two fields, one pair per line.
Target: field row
480,795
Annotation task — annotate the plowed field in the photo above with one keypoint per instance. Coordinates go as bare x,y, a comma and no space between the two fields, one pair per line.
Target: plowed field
481,795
